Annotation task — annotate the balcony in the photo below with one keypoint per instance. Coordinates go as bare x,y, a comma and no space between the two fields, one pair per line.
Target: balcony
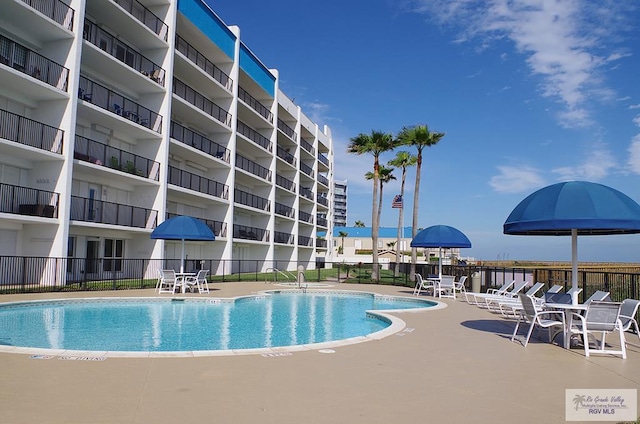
28,62
322,200
306,169
203,63
286,156
30,133
287,130
284,210
255,104
186,179
254,136
98,211
305,217
28,201
322,158
146,17
101,96
323,180
219,228
322,222
285,183
122,52
55,10
199,142
92,151
306,192
321,243
305,241
250,233
307,146
282,238
196,99
252,167
248,199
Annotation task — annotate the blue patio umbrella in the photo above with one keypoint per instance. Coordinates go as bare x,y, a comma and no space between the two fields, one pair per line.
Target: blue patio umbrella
440,236
183,228
574,208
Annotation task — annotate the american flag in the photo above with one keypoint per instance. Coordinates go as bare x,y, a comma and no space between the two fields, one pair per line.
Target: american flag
397,202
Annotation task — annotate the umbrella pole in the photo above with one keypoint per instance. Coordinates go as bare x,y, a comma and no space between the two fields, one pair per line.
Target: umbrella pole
440,263
574,265
182,259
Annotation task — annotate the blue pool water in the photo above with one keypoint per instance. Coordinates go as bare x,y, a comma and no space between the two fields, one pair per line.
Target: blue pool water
195,324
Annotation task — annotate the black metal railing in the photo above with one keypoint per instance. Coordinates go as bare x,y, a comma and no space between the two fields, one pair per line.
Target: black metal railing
99,95
287,130
193,97
93,210
307,146
33,64
285,183
57,10
122,51
305,241
252,200
146,17
305,217
30,133
306,192
323,180
250,233
199,141
306,169
252,167
322,243
219,228
203,63
284,210
322,158
254,136
322,200
282,237
28,201
92,151
285,155
186,179
254,104
322,222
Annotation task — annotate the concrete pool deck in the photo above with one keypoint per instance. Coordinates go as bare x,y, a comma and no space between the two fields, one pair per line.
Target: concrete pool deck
455,364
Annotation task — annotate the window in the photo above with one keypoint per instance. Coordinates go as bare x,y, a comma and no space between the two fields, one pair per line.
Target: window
113,254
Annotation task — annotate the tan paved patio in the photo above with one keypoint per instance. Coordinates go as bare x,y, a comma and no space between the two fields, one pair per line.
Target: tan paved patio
457,365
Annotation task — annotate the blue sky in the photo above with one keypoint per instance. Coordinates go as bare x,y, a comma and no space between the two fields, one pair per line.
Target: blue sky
528,93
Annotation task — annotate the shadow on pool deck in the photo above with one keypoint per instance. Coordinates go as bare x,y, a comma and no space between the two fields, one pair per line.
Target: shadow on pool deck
455,364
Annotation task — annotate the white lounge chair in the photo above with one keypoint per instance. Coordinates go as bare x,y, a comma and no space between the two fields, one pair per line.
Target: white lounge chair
198,281
483,300
470,297
537,318
510,306
603,318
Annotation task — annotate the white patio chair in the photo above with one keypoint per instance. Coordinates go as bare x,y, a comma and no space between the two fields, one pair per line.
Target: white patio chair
445,287
600,317
537,318
198,281
422,284
168,282
628,312
459,287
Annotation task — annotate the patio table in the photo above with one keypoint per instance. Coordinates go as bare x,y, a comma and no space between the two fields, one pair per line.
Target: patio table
568,310
182,276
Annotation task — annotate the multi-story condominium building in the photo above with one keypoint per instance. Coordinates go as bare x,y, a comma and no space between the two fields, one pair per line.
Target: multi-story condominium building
118,114
340,203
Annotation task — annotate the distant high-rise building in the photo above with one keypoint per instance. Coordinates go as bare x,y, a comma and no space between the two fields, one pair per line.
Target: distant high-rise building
340,203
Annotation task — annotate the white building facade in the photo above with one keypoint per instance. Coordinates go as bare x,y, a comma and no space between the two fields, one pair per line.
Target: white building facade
118,114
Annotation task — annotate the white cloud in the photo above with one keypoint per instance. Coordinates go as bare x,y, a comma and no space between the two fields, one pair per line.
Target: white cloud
634,155
636,120
516,179
595,167
634,106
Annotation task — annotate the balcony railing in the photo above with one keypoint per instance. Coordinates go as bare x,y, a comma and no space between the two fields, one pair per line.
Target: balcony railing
147,17
30,133
93,210
287,130
250,233
322,200
54,9
305,241
306,217
186,179
102,154
285,183
199,141
252,167
33,64
252,200
306,169
321,243
123,52
323,180
307,146
306,192
101,96
203,63
28,201
255,104
193,97
285,155
322,158
322,222
254,136
283,238
284,210
219,228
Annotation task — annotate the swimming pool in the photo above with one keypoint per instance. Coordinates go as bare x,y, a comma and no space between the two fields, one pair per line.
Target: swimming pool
201,326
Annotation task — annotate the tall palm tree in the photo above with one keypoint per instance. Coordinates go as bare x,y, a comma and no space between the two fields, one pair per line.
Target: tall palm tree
402,160
342,235
420,137
375,143
386,175
359,224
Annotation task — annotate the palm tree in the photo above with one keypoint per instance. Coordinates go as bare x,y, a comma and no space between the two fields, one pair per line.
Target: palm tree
376,143
420,137
342,235
402,160
359,224
386,175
